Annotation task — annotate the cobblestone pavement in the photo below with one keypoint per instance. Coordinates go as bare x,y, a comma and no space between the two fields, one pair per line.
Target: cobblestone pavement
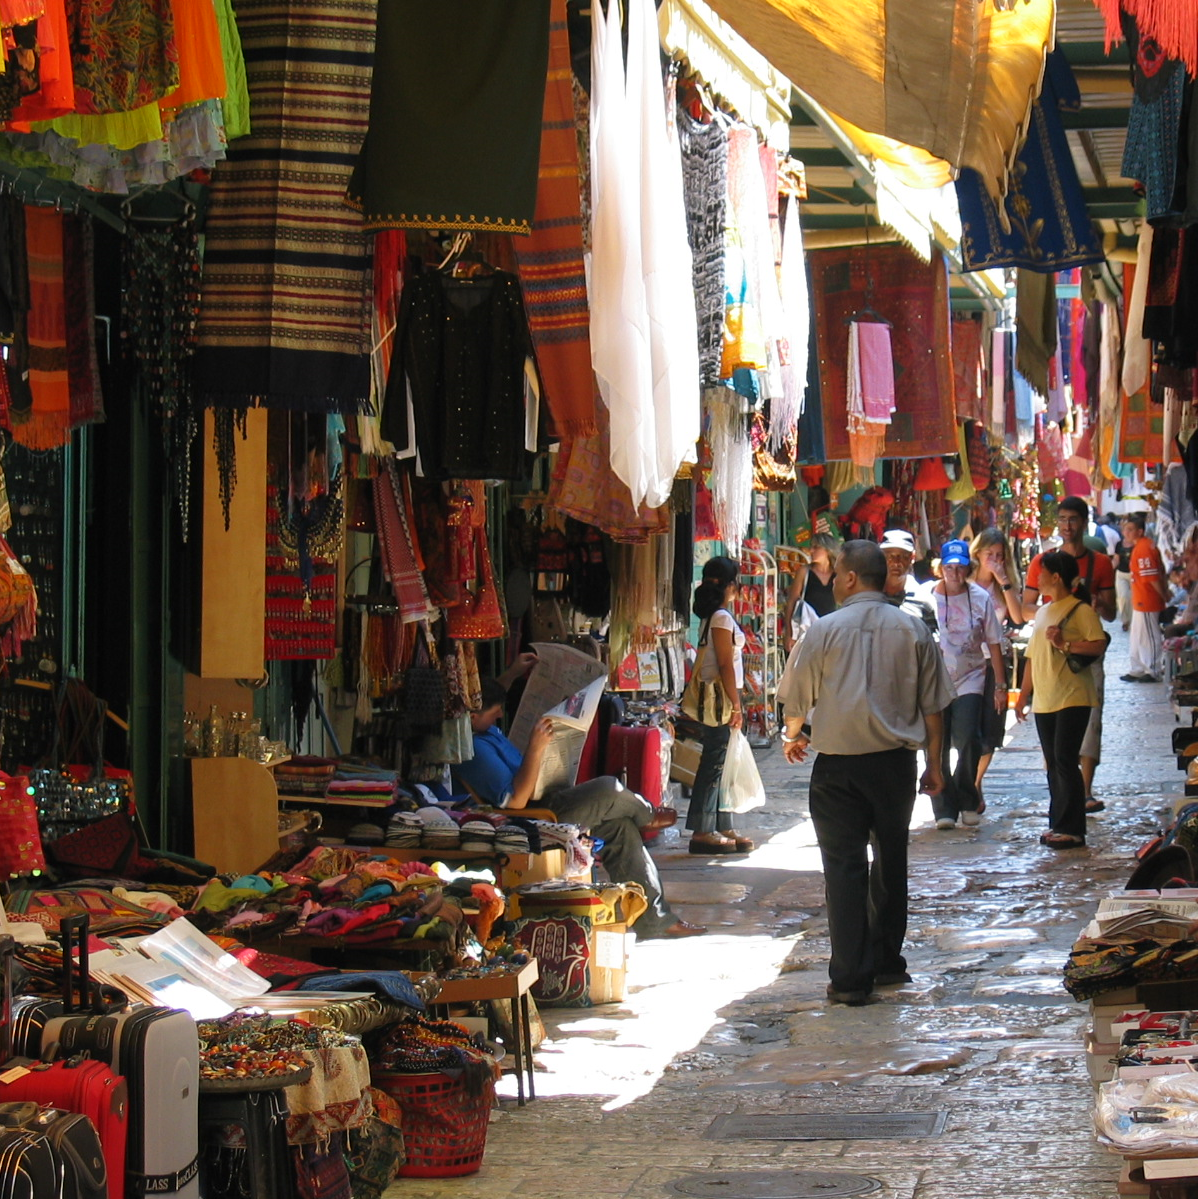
736,1022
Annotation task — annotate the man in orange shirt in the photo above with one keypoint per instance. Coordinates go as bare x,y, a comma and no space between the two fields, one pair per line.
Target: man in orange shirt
1149,595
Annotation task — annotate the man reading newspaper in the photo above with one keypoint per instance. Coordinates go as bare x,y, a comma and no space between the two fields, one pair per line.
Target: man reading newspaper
500,775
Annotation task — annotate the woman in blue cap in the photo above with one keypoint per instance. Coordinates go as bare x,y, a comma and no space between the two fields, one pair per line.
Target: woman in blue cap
970,639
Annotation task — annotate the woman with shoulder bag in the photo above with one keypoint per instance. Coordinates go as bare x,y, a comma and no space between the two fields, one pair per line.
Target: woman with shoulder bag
712,701
1067,639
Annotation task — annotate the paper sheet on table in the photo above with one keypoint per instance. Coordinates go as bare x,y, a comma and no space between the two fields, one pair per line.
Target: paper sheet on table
560,673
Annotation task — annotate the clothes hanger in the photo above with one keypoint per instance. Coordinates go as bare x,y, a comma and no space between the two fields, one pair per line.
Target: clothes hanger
186,213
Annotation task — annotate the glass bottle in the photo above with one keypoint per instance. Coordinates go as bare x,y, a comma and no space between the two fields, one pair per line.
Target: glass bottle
214,733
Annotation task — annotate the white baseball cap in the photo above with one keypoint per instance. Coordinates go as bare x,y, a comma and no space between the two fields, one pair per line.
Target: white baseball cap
898,539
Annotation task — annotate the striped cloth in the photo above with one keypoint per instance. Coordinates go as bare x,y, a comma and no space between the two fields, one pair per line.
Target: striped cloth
552,274
285,318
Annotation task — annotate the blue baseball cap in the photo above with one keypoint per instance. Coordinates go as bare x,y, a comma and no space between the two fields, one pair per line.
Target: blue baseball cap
954,553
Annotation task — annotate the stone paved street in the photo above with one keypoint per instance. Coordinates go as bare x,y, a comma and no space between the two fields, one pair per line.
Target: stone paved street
736,1022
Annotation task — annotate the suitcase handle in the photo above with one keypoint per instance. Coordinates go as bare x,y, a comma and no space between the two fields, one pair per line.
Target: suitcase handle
75,932
8,953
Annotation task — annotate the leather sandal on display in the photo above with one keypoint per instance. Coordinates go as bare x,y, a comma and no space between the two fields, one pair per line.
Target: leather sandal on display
1062,841
711,845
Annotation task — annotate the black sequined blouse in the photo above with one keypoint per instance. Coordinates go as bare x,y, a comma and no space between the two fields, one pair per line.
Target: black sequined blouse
462,343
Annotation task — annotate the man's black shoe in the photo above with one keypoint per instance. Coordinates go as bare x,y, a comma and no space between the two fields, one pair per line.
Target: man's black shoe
849,998
892,980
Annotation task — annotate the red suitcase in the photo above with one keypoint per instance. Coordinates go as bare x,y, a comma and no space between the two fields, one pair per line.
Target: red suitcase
76,1085
634,757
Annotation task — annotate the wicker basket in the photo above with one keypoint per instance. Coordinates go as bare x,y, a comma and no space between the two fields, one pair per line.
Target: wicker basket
444,1127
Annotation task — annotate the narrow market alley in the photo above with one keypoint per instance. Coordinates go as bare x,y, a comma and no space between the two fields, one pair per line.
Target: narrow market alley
726,1042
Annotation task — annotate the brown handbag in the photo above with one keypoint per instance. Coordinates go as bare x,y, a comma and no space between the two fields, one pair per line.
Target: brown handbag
479,617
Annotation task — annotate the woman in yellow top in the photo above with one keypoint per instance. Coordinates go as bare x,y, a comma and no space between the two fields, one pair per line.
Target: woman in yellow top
1061,700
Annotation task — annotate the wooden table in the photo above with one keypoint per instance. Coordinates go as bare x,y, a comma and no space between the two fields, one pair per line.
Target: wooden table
513,987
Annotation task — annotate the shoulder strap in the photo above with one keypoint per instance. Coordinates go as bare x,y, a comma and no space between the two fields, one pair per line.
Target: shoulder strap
1090,571
1076,604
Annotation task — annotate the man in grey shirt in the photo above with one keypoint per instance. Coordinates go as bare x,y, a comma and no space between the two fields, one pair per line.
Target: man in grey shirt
874,684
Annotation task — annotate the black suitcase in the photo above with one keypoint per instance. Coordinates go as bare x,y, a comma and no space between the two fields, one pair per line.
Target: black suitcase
73,1140
29,1167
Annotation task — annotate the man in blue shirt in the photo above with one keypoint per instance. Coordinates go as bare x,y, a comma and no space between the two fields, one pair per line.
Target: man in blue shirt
500,775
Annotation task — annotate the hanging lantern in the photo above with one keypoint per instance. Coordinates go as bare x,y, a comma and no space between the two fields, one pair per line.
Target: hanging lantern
932,476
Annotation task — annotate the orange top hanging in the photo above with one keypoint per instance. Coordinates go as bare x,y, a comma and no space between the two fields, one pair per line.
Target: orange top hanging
201,67
55,97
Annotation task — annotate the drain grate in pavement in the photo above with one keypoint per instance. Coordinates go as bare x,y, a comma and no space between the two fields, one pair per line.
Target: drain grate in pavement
775,1184
829,1126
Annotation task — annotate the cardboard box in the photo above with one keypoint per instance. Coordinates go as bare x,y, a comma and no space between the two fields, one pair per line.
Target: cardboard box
525,868
609,962
684,761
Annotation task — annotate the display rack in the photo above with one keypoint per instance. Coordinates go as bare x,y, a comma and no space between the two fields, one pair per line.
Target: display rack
756,611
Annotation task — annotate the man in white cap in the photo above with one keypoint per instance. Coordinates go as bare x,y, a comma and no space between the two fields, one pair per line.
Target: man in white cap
901,589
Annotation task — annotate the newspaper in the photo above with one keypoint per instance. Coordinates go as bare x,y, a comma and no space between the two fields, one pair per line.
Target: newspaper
571,720
561,672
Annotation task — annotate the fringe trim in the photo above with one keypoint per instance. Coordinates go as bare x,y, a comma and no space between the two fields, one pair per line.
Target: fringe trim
361,406
40,432
1173,23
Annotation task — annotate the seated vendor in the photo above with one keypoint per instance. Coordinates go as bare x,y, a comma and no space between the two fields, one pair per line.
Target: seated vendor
500,775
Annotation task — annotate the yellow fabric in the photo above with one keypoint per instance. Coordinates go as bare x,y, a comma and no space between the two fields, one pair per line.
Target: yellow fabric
124,130
1054,685
955,78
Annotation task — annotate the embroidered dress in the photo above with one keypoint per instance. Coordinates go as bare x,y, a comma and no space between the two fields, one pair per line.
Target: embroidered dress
123,54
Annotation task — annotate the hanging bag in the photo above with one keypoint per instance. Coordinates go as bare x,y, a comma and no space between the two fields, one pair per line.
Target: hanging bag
479,617
424,693
1079,662
708,703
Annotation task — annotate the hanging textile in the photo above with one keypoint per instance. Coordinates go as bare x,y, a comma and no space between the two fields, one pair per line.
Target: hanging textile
731,479
551,268
45,422
870,381
705,182
79,287
55,95
454,126
912,295
583,486
396,544
461,349
1141,430
665,260
1035,326
795,347
620,336
1001,381
160,299
953,77
1171,302
123,54
1172,24
1154,120
1045,225
1137,349
969,369
285,320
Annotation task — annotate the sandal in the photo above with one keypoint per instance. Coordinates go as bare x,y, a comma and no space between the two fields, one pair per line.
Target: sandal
1062,841
1094,805
743,844
711,844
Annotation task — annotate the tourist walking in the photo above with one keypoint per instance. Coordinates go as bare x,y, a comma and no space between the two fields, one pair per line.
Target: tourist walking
1096,584
901,589
720,665
994,570
1149,595
811,585
874,685
1121,560
1062,697
970,642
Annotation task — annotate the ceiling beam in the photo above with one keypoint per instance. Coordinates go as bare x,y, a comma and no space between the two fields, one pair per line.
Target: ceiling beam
1095,118
1093,54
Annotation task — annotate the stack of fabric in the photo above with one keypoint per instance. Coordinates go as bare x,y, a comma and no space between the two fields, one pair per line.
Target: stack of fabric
367,786
305,775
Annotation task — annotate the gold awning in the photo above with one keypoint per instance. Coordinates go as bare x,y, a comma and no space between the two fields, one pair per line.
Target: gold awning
955,78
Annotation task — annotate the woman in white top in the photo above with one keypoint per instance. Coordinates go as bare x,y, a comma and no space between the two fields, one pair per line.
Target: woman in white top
721,649
969,634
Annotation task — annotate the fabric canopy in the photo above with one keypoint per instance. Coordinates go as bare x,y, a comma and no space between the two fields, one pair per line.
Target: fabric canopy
953,77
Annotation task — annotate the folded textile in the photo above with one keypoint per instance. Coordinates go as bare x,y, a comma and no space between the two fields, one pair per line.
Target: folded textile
391,983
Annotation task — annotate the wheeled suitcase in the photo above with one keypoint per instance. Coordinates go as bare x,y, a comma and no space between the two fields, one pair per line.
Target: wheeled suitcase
29,1166
634,757
74,1140
157,1051
31,1013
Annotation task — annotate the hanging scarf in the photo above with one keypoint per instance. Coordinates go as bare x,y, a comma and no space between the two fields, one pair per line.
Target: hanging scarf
786,409
731,471
46,423
83,368
551,268
400,566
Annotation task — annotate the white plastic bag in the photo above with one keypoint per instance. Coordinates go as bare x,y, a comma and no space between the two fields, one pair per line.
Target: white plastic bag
741,789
